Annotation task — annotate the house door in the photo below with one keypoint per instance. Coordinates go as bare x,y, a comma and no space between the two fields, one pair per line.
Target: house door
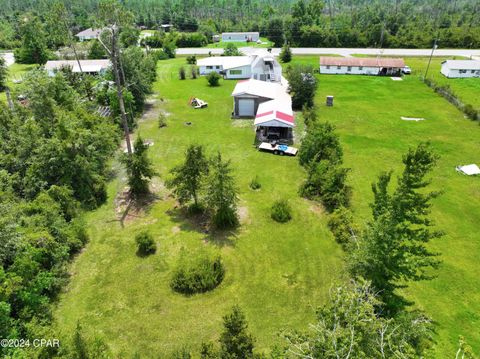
246,108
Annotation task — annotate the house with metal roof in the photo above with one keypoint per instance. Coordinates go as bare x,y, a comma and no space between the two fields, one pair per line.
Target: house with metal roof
461,68
361,66
240,36
88,34
260,65
92,67
269,104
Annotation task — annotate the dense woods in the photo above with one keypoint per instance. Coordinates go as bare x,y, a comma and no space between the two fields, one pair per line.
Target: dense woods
307,23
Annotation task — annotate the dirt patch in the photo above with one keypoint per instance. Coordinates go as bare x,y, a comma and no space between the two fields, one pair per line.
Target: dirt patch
127,209
244,215
317,208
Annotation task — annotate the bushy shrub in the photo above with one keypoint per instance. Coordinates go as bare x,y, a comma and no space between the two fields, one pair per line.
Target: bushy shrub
160,55
471,112
192,60
342,226
197,275
286,54
255,184
145,244
162,120
281,211
327,182
193,72
213,79
181,73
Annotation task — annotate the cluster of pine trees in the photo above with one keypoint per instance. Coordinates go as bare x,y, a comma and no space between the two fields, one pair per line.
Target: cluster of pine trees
306,23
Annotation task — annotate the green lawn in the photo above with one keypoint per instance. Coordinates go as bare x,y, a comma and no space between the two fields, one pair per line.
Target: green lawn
265,44
277,273
367,113
468,90
15,73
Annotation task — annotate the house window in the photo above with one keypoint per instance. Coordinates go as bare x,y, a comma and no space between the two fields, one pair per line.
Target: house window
209,67
463,71
235,72
360,68
217,67
339,67
349,68
328,67
473,71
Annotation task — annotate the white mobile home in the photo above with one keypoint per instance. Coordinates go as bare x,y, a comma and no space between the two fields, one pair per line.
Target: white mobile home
240,36
260,66
361,66
88,34
461,68
92,67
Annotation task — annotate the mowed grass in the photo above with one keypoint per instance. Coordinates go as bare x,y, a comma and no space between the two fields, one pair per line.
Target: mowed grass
367,113
278,273
222,44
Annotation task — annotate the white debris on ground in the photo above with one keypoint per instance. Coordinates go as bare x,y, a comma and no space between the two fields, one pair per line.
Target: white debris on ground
396,78
469,170
412,119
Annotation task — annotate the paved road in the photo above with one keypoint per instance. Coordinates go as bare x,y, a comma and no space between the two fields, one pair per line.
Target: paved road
342,51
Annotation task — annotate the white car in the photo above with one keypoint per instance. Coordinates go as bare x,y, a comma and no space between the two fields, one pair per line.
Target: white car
407,70
278,149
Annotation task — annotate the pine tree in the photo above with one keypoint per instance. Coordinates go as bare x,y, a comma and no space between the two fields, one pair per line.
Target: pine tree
222,195
393,249
286,54
235,341
188,177
3,73
139,169
34,43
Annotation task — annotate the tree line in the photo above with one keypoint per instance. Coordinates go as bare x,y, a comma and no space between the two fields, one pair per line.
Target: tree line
307,23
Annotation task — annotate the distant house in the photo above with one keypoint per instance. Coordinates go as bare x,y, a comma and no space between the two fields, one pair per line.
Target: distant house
269,104
259,66
88,34
92,67
461,68
240,36
361,66
166,27
216,38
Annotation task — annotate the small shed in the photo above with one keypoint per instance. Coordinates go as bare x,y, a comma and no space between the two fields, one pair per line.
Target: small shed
240,36
460,68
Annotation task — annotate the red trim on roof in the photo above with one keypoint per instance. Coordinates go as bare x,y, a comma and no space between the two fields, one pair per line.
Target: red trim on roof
264,114
285,117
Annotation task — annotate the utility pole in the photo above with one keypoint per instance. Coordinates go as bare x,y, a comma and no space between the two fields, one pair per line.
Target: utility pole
430,60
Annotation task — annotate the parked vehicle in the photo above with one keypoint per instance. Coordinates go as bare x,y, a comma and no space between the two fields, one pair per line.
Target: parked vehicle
278,149
407,70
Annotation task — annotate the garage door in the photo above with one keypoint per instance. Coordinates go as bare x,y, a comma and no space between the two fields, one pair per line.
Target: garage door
246,108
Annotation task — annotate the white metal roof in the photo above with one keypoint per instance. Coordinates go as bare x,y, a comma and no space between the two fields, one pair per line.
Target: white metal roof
227,62
89,32
261,89
462,64
240,33
87,65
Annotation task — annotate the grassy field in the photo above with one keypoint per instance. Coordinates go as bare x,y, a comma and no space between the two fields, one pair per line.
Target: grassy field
367,113
15,73
468,90
277,273
265,44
